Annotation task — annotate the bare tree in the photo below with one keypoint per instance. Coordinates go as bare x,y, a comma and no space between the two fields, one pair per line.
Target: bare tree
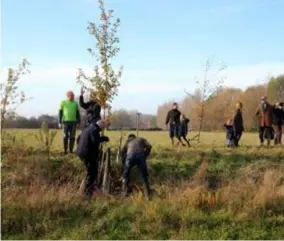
11,97
208,88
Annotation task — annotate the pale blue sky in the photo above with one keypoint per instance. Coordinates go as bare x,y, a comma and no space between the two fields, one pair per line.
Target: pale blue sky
164,44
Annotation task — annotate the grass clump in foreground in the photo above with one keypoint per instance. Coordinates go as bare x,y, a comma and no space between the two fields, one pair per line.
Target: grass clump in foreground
235,194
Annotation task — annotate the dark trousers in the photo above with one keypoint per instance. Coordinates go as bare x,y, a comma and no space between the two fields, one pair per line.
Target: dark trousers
138,159
265,132
174,130
238,136
91,164
278,134
185,139
69,130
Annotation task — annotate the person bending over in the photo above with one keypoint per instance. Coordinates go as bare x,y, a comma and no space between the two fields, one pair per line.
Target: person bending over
69,116
135,153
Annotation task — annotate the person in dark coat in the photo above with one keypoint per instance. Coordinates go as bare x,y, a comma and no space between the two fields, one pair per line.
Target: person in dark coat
230,134
238,124
183,130
264,112
92,108
135,152
173,120
88,149
278,118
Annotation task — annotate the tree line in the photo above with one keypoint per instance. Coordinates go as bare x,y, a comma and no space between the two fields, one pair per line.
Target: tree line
121,119
219,106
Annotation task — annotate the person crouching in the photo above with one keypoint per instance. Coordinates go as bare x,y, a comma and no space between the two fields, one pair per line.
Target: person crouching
135,152
230,135
88,149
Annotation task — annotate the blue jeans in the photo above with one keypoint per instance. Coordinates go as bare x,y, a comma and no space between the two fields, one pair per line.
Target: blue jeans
174,130
69,131
138,159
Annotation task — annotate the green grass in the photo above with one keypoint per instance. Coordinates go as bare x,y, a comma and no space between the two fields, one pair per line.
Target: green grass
231,194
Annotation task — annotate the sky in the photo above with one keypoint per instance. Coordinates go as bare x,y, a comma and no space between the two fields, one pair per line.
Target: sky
164,45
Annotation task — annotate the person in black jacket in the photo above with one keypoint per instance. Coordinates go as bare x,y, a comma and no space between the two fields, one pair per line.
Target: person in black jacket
184,128
88,149
173,120
92,108
238,123
278,118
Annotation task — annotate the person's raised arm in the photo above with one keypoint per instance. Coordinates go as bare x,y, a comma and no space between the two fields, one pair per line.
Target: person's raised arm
83,104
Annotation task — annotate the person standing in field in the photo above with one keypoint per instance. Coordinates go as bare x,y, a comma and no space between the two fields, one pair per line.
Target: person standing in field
184,129
278,118
264,112
238,124
69,117
92,108
173,120
135,152
88,150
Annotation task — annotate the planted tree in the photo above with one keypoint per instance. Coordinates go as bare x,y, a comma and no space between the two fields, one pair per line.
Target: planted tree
209,87
104,82
45,138
11,96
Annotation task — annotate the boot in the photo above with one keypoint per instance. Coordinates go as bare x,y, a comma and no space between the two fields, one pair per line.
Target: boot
147,192
71,145
65,144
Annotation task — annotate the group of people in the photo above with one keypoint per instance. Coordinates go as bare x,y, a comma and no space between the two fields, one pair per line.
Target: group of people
136,149
270,121
134,152
177,124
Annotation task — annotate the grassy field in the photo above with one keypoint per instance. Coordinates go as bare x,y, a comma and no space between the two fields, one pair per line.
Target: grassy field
231,194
